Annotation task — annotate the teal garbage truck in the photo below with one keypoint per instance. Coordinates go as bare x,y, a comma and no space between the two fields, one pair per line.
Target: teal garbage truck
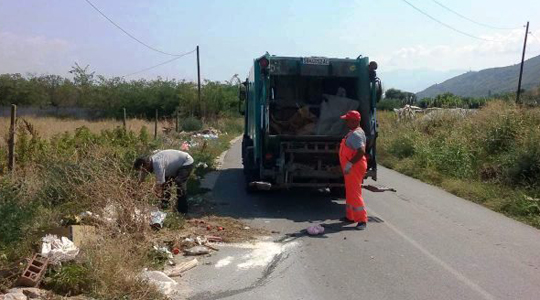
292,108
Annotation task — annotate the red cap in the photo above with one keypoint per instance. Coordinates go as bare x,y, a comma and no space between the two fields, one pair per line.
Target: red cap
352,115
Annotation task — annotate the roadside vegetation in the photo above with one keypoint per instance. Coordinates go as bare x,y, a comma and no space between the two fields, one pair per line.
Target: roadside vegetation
490,156
395,99
108,96
60,175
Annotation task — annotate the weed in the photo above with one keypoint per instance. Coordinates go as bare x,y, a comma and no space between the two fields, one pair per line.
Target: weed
69,279
191,124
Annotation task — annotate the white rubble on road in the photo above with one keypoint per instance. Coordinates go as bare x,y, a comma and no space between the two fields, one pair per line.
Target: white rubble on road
164,283
260,255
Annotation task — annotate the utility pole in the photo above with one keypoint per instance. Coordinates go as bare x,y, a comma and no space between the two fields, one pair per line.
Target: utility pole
198,75
522,61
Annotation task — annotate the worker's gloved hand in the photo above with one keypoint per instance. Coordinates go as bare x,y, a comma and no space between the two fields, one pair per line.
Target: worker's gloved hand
347,169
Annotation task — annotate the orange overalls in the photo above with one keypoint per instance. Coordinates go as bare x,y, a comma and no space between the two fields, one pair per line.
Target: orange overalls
355,209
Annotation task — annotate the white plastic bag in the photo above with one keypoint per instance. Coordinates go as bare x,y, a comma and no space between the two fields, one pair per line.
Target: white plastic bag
58,250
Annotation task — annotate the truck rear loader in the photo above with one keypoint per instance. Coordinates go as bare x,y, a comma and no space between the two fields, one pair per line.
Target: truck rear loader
292,108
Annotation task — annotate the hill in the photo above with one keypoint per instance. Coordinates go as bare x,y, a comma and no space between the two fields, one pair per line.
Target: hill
489,81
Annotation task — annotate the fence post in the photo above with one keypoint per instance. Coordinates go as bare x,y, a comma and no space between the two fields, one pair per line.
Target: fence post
177,122
12,131
156,125
124,121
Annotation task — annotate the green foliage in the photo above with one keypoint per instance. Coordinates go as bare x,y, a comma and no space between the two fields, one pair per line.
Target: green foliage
14,215
403,147
69,279
191,124
110,95
491,156
389,104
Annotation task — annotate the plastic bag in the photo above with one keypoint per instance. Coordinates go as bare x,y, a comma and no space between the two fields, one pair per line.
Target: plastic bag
58,250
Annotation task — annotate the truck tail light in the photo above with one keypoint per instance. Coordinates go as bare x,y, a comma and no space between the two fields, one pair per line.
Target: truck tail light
269,156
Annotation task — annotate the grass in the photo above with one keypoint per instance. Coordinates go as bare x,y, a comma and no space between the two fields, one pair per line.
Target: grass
490,157
61,174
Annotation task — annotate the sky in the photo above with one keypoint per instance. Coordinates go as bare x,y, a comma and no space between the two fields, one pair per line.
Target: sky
412,50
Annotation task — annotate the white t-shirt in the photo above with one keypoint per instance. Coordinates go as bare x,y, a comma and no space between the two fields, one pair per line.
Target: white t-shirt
356,139
167,162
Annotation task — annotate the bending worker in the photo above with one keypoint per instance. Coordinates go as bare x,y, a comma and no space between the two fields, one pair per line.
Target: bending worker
352,157
168,166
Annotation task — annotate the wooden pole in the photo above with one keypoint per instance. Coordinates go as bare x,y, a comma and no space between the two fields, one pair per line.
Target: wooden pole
522,62
156,125
124,121
177,122
199,82
12,131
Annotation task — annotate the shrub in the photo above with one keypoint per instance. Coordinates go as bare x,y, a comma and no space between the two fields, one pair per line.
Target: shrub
69,279
402,146
389,104
191,124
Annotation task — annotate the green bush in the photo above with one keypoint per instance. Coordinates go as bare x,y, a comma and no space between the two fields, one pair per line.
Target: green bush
389,104
69,279
402,146
191,124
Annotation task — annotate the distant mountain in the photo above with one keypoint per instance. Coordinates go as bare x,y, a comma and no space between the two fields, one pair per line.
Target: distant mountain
484,82
415,80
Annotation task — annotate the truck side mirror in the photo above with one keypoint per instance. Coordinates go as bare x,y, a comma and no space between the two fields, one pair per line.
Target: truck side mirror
242,96
379,90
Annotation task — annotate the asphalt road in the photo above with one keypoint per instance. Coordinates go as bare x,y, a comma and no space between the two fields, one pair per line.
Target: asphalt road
421,243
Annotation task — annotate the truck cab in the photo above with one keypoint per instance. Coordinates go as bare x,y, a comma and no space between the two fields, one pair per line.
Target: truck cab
292,127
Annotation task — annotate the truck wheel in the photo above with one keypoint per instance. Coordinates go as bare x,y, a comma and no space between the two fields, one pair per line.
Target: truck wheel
338,192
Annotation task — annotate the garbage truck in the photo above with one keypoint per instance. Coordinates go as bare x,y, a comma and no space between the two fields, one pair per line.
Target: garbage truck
292,126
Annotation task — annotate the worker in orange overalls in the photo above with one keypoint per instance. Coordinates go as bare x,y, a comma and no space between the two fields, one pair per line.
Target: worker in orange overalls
352,157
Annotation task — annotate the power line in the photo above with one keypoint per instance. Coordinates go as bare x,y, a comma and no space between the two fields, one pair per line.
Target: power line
446,25
129,34
471,20
159,65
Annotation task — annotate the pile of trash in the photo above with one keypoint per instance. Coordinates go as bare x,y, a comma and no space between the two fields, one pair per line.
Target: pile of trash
304,122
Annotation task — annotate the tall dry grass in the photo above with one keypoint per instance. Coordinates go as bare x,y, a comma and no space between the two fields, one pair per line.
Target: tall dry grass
48,127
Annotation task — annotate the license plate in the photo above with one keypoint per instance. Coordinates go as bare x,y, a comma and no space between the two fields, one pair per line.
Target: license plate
316,61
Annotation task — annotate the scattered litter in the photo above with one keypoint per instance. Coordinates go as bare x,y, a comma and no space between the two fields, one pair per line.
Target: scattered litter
185,146
201,165
220,228
34,271
275,232
197,250
247,228
58,250
157,219
214,239
201,240
181,268
208,227
164,250
176,251
27,293
164,283
378,188
373,257
315,230
212,247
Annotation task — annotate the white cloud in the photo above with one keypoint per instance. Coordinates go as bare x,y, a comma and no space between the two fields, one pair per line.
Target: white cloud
40,54
501,50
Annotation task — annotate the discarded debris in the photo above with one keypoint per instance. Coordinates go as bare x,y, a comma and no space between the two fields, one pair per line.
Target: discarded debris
34,271
197,250
58,250
201,165
25,293
214,239
181,268
157,218
378,188
164,283
315,230
164,250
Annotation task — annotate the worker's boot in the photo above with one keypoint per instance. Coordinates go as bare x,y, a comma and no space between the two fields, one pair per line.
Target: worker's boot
361,226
